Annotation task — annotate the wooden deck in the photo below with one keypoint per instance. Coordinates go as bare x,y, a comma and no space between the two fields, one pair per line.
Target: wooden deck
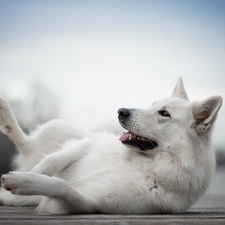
209,210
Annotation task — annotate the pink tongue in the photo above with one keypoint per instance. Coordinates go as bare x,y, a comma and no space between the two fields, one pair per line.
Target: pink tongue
124,136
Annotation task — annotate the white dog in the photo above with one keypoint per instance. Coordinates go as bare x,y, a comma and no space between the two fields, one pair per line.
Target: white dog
163,164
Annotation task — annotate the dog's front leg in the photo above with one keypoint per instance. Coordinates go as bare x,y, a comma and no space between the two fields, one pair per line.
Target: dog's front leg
57,161
27,183
10,126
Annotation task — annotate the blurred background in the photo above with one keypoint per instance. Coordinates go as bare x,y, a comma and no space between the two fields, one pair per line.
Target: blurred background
81,60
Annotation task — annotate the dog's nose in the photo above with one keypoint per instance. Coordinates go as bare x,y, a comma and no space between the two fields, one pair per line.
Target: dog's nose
123,113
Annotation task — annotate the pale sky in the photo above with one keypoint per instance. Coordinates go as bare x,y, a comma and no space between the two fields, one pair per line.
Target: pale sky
99,56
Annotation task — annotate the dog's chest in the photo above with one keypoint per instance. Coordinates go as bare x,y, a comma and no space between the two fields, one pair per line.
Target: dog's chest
112,168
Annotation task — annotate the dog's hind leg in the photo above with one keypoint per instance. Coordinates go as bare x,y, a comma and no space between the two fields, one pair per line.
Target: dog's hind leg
10,126
27,183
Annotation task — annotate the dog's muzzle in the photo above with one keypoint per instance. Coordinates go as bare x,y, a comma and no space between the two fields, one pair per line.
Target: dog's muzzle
129,138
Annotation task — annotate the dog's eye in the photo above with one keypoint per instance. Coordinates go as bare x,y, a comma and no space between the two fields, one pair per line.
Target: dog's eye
164,113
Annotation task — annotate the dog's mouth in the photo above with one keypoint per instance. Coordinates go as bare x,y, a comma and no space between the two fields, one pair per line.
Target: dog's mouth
134,140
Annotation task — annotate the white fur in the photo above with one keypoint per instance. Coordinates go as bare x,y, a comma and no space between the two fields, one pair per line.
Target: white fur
61,172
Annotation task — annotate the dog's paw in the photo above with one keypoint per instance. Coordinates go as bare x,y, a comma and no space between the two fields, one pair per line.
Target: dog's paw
5,111
16,182
4,105
9,182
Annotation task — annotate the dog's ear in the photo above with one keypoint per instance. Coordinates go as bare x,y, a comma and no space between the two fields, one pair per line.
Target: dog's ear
179,91
205,113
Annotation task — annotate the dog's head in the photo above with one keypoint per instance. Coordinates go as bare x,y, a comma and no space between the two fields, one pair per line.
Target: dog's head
168,121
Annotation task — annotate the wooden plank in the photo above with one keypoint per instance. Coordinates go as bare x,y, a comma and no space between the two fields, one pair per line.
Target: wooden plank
210,209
